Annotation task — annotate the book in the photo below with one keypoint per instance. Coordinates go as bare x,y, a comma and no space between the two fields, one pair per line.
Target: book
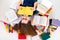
55,22
44,6
11,15
40,20
46,3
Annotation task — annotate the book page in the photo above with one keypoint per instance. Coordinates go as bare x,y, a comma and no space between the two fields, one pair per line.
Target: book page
41,8
46,3
43,20
11,16
36,20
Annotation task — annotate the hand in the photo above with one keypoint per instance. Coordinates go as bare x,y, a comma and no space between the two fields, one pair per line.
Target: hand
19,7
32,8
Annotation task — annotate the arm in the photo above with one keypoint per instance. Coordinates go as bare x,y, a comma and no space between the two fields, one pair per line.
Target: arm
18,3
35,5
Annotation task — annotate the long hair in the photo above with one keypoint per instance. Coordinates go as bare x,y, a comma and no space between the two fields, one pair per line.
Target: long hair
26,29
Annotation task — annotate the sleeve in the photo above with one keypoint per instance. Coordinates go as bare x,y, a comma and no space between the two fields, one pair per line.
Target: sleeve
35,0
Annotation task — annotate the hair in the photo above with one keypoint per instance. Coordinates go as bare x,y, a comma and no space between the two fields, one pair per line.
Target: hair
26,29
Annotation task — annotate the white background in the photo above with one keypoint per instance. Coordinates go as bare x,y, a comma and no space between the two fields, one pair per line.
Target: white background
4,6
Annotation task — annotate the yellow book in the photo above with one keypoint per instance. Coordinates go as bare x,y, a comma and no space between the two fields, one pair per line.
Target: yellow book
11,28
7,29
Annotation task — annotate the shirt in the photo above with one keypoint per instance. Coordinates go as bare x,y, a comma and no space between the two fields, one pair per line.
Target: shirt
29,3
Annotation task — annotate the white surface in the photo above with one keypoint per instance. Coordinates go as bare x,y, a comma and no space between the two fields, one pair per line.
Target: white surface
4,6
4,35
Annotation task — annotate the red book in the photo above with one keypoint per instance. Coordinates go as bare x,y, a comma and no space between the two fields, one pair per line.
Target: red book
21,36
11,31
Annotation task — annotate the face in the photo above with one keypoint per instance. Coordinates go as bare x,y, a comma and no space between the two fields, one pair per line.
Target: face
25,19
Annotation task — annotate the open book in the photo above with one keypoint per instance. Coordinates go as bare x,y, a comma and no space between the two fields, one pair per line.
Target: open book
11,15
44,6
39,20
